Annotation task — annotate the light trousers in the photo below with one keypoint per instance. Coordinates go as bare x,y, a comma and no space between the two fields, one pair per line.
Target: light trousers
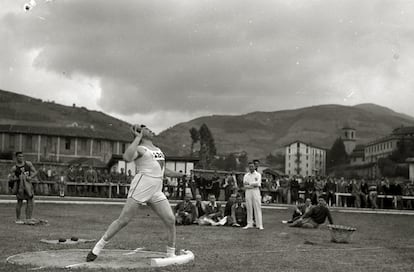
254,205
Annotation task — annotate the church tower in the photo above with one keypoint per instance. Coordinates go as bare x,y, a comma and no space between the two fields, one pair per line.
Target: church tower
349,138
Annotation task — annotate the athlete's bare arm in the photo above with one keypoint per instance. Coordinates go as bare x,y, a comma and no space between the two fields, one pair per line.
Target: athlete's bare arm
172,174
33,171
133,152
13,173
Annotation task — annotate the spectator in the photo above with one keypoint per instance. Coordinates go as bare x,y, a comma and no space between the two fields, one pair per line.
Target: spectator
200,206
115,180
229,204
192,183
104,177
284,189
385,190
409,191
80,175
372,194
275,190
294,190
204,182
330,189
185,212
256,165
396,192
364,194
91,177
315,216
310,189
62,184
213,213
301,208
216,182
342,187
252,182
42,174
318,188
228,186
71,174
356,192
238,214
129,177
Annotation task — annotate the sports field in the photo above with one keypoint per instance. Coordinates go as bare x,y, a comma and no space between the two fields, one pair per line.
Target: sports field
381,243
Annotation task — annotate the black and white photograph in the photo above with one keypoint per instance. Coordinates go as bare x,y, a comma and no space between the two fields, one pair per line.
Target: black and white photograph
207,135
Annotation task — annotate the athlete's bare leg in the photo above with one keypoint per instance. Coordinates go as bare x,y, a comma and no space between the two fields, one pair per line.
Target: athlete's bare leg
164,211
19,208
29,208
130,209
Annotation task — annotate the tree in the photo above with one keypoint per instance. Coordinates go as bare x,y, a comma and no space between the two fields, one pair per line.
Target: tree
195,137
207,147
337,154
243,162
277,160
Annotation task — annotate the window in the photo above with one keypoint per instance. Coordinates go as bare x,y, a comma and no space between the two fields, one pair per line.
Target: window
83,144
12,140
307,157
98,146
28,145
123,148
67,143
113,147
289,150
307,149
298,145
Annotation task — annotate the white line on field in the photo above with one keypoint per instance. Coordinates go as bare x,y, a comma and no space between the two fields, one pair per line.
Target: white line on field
313,249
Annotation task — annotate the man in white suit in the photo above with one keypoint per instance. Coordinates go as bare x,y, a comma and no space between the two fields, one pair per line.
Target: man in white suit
252,182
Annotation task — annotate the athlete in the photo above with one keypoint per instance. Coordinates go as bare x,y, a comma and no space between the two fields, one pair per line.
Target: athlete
146,187
21,176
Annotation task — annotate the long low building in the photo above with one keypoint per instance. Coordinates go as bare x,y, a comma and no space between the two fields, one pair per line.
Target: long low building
61,144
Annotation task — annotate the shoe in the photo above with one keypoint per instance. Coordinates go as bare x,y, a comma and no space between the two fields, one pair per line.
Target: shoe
247,227
260,228
284,222
19,221
91,257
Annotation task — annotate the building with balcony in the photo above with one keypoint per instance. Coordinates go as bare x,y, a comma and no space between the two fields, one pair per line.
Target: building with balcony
304,159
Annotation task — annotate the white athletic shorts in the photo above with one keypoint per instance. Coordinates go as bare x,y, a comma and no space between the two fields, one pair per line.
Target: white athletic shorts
146,189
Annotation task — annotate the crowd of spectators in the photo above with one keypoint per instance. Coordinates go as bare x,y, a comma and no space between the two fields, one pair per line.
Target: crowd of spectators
52,181
358,193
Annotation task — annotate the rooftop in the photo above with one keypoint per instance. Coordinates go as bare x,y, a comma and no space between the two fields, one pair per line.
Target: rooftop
114,135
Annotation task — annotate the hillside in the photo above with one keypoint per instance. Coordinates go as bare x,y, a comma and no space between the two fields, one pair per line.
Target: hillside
260,133
257,133
16,109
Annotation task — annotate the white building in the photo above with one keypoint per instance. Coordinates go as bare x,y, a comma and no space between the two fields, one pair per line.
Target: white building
304,159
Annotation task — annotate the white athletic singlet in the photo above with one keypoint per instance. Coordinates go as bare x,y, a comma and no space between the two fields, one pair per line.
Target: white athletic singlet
150,163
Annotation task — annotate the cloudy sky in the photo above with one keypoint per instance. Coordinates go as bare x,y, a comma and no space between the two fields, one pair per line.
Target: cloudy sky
161,62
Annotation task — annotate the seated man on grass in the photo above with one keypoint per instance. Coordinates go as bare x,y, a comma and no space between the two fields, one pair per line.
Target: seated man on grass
315,216
238,216
213,213
300,210
185,211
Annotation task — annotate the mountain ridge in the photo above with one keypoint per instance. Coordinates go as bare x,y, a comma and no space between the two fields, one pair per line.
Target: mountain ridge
258,133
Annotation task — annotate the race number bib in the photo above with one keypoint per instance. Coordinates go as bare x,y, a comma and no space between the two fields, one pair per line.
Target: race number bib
158,155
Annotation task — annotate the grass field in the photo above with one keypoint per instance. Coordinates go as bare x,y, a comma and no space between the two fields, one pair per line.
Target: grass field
381,243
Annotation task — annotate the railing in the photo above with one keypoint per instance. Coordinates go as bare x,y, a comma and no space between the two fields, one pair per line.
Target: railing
121,190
